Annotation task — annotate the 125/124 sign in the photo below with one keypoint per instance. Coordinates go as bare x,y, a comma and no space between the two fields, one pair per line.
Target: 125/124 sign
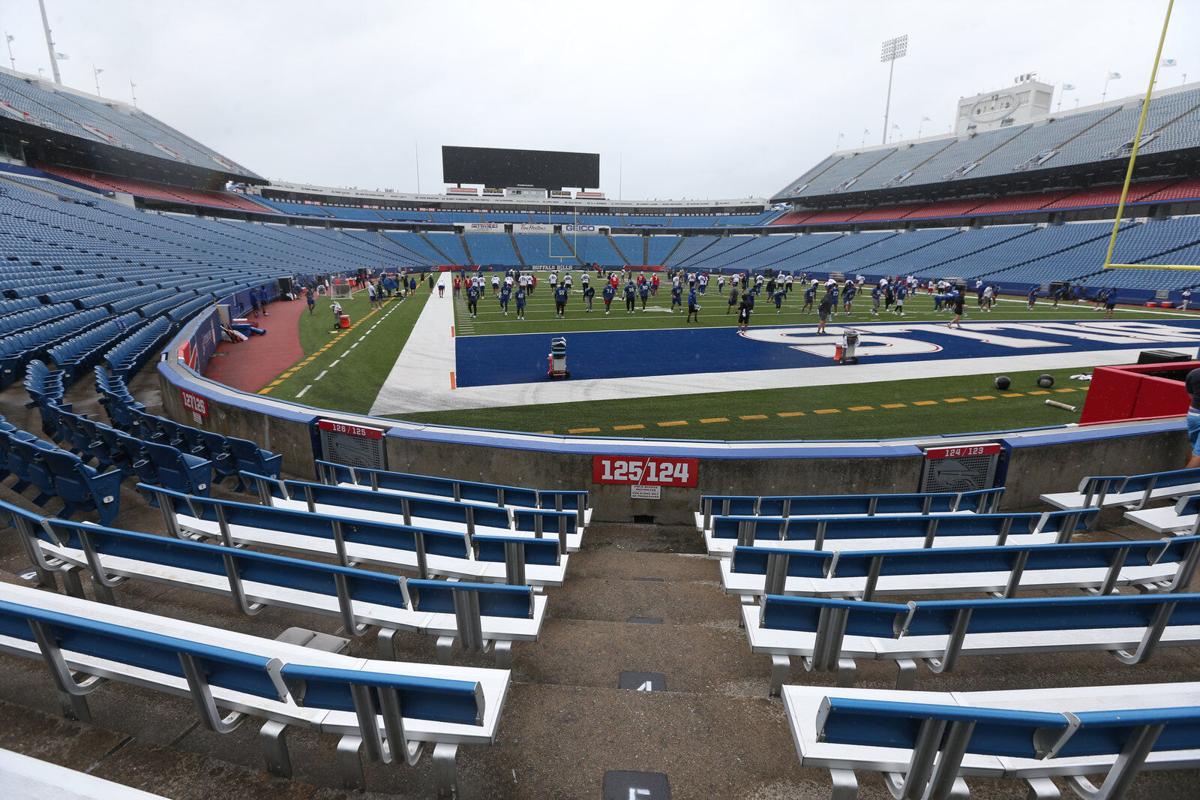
645,470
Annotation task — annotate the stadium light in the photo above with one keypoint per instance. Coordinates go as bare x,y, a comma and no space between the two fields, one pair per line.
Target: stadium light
8,37
54,54
891,50
96,75
133,92
1066,87
1112,76
921,125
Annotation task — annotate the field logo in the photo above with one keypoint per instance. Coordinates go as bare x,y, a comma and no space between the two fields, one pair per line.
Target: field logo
888,339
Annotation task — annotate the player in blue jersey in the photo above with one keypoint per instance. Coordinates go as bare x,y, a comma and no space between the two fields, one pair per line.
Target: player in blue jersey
810,297
560,300
608,294
876,296
901,294
733,298
644,293
676,297
780,293
851,290
505,294
521,302
472,300
630,296
693,306
589,294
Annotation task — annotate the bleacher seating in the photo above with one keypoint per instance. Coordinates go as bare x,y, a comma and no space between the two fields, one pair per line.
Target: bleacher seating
831,634
232,677
1127,491
885,532
923,743
476,617
1000,571
456,516
980,500
463,491
515,558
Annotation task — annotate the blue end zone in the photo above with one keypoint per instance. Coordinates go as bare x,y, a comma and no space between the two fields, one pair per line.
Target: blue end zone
521,358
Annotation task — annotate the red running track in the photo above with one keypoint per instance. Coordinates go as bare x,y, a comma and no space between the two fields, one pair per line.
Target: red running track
252,364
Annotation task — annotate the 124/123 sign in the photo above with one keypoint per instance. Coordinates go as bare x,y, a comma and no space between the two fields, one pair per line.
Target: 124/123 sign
645,470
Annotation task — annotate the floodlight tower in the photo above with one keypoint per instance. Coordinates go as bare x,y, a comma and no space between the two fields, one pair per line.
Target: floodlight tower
54,54
892,50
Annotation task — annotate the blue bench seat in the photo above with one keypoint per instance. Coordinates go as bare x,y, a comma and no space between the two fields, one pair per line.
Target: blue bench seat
830,634
431,513
979,501
1100,567
1127,491
894,532
1024,735
232,677
429,553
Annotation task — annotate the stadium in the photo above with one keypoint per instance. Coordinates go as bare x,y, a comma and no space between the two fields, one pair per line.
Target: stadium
880,484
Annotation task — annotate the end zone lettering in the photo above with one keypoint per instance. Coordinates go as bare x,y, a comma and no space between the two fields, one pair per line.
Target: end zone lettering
645,470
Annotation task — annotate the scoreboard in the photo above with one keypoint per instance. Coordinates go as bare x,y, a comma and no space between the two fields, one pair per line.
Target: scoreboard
500,167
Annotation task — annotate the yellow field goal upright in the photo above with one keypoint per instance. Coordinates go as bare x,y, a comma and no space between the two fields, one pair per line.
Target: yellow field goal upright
1137,139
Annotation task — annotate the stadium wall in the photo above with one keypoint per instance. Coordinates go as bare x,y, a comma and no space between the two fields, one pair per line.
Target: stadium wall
1033,461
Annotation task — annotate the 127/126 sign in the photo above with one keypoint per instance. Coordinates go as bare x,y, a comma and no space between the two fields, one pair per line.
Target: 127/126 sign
645,470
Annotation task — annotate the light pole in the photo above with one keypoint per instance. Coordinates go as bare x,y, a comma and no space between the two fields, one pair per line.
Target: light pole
1112,76
892,49
922,125
133,92
50,43
8,37
96,75
1066,87
839,141
866,133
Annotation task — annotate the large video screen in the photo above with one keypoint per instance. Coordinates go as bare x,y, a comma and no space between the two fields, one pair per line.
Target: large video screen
501,168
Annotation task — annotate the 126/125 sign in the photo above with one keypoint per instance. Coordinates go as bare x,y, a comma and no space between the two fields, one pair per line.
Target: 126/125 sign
645,470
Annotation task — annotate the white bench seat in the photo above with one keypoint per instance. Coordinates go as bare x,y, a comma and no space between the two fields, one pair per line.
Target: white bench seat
723,548
535,574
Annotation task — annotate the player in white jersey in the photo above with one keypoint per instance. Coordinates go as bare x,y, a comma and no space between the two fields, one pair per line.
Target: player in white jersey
495,285
567,280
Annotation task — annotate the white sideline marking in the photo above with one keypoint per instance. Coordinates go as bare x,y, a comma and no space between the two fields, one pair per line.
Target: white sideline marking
322,375
335,363
302,392
427,358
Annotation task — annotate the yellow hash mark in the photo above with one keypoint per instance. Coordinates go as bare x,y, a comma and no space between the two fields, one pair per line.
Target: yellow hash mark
1039,391
862,408
628,427
790,414
1013,394
827,411
1065,389
275,382
925,402
894,405
711,420
752,416
983,397
583,430
675,423
265,390
545,432
954,400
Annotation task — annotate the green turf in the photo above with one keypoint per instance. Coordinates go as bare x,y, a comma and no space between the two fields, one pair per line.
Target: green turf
352,376
819,412
540,315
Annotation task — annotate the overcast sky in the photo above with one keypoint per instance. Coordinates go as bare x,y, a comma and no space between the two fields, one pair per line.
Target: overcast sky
697,99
